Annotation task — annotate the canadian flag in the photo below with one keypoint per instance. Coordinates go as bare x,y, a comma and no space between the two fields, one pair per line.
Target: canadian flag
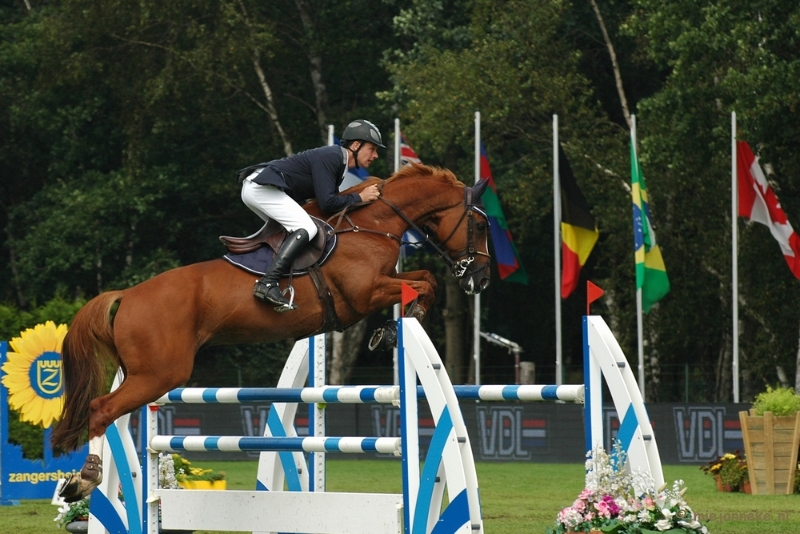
757,202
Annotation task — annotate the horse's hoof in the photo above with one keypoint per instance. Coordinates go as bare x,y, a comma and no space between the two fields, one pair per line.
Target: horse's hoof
417,311
384,338
77,488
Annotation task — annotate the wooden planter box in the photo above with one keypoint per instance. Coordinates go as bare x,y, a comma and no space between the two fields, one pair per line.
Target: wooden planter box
770,445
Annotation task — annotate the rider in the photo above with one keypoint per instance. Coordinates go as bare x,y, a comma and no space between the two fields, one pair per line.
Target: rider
275,190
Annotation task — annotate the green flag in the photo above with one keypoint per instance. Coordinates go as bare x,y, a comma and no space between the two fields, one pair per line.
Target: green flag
651,274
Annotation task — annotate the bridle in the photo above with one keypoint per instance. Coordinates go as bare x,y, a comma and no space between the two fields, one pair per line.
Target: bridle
460,264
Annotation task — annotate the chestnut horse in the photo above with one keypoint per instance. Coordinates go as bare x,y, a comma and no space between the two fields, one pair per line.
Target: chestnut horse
160,324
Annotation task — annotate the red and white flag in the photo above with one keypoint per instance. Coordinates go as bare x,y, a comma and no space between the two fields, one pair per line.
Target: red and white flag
407,154
757,202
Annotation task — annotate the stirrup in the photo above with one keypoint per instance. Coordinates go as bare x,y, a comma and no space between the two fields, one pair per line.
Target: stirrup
286,305
261,292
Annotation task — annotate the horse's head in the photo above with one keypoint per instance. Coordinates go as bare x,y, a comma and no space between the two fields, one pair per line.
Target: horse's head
468,241
461,236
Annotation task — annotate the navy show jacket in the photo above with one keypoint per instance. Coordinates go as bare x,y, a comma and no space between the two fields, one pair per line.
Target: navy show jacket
315,173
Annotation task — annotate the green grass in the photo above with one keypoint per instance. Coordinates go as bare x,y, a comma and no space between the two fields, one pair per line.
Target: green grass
516,497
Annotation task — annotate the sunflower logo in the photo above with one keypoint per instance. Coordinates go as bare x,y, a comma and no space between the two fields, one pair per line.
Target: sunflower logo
33,373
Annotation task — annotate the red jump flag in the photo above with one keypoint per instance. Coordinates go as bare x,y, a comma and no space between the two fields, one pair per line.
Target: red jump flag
407,294
593,293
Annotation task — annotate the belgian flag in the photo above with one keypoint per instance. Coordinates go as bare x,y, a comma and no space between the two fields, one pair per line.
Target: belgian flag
578,230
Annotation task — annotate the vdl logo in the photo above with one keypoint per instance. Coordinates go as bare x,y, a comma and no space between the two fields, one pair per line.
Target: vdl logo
701,432
501,432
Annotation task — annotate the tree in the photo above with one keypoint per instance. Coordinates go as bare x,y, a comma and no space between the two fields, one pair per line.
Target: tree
723,56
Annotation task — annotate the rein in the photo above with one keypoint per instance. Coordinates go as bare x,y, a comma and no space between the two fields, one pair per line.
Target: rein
458,268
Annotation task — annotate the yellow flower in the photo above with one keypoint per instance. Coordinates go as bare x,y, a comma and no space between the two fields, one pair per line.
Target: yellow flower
32,373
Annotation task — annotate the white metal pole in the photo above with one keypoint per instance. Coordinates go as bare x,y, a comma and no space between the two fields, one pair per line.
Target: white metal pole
557,251
735,258
397,307
639,319
476,327
330,134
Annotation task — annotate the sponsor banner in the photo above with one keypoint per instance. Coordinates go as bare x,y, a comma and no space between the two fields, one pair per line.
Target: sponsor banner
537,432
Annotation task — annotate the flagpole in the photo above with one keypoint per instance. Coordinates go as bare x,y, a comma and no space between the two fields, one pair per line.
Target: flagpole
639,320
557,251
476,326
397,310
735,259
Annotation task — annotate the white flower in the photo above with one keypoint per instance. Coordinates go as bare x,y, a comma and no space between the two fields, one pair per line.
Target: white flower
663,524
693,524
63,510
166,472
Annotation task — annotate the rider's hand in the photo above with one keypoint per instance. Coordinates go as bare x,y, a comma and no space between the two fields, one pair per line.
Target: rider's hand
370,193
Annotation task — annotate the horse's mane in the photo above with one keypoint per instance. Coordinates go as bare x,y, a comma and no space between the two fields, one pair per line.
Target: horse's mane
414,170
428,171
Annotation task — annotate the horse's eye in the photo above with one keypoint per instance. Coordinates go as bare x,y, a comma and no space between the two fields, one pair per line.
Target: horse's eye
482,226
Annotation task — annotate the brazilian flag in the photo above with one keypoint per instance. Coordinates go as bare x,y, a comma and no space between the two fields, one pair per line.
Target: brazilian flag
651,273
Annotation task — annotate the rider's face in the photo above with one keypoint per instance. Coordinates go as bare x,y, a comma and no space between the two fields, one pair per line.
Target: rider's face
367,154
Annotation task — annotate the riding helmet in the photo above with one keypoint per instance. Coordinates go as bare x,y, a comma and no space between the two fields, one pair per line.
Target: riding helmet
362,130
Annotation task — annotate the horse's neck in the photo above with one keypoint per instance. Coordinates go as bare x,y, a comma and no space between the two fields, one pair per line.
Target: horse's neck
417,199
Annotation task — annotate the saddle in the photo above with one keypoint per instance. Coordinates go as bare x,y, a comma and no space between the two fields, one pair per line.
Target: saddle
256,253
247,253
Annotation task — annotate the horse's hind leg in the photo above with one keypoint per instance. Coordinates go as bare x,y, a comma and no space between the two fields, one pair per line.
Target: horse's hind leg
135,391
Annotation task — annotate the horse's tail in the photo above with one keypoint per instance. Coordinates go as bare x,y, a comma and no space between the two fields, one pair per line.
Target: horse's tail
84,374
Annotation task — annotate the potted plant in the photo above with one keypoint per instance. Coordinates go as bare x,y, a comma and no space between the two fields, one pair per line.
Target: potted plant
616,501
74,517
729,472
191,477
771,435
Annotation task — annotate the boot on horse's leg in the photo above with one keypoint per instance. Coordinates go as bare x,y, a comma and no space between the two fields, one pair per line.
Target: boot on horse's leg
81,484
267,289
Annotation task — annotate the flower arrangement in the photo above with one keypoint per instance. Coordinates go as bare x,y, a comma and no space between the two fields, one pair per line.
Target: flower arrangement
184,472
730,470
69,512
617,501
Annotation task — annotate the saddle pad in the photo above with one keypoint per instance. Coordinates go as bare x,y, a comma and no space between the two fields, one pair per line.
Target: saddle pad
260,260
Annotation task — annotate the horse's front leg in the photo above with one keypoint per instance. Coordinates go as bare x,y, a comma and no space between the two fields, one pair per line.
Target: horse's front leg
424,283
387,291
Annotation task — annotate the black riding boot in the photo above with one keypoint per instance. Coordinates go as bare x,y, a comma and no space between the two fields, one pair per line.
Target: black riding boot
267,289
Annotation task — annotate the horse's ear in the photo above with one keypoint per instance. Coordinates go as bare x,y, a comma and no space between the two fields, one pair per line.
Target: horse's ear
479,188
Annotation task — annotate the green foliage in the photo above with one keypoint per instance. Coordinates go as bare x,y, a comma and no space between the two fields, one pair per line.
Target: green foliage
59,309
780,401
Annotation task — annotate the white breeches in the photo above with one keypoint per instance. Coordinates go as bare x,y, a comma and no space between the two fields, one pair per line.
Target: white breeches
269,202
